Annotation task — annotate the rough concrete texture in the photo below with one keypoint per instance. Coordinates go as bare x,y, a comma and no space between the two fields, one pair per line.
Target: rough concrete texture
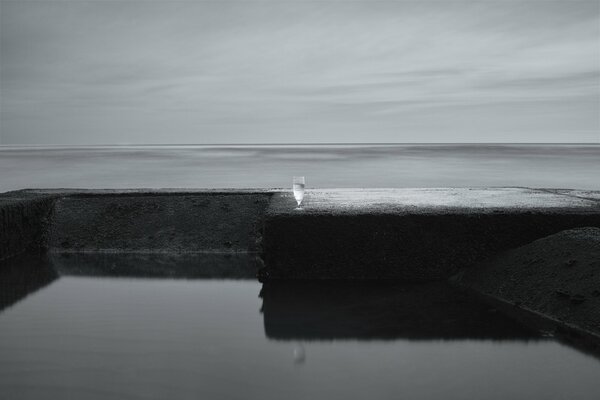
435,200
367,310
23,224
157,222
409,234
556,277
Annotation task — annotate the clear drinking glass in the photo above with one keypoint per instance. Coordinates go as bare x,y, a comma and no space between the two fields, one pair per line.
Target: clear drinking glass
298,188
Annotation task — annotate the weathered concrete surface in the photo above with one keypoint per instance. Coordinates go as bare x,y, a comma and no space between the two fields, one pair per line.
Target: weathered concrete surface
23,224
109,221
556,278
436,200
410,234
368,310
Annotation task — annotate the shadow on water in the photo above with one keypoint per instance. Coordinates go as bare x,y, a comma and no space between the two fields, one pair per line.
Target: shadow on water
331,310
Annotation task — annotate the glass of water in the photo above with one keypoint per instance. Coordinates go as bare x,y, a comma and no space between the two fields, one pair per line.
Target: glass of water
298,188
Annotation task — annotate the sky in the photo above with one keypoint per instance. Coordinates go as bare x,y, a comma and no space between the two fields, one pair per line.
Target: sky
181,72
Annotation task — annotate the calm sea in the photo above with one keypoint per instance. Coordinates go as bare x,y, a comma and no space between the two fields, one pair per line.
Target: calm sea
272,166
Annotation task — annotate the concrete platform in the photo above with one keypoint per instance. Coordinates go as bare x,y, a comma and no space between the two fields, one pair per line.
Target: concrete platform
405,234
410,234
157,222
416,200
556,277
24,222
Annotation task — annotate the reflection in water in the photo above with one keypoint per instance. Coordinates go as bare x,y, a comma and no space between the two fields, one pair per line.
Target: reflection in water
21,276
327,310
299,354
109,329
168,265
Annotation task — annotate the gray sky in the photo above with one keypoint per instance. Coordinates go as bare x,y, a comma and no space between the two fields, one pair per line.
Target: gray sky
104,72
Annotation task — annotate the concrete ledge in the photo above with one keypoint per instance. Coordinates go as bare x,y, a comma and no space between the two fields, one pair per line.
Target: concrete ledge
23,224
556,278
409,234
157,222
406,234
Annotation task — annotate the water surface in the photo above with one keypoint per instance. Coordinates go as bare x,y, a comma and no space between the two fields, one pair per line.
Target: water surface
118,331
325,166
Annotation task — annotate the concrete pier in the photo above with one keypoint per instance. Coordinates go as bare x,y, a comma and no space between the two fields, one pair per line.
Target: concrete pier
158,221
405,234
24,220
556,278
411,234
408,235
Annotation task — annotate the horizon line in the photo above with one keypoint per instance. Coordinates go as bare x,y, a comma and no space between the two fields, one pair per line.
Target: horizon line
296,144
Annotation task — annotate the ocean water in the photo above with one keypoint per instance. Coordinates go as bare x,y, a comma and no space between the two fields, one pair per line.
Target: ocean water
325,166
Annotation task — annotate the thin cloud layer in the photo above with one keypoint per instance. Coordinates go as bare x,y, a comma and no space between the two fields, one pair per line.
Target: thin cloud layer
332,71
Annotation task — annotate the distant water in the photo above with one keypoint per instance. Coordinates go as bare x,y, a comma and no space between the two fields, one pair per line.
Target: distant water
272,166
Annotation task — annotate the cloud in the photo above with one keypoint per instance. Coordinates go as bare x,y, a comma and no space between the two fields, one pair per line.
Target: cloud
202,72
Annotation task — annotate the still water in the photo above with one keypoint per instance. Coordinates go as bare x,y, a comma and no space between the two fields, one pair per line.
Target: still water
325,166
91,327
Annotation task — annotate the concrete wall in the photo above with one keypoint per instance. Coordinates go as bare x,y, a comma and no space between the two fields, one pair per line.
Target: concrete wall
406,234
556,277
23,224
407,247
157,222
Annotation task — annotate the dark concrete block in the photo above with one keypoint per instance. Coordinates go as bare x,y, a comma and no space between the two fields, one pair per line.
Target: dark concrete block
409,234
556,277
155,222
23,224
